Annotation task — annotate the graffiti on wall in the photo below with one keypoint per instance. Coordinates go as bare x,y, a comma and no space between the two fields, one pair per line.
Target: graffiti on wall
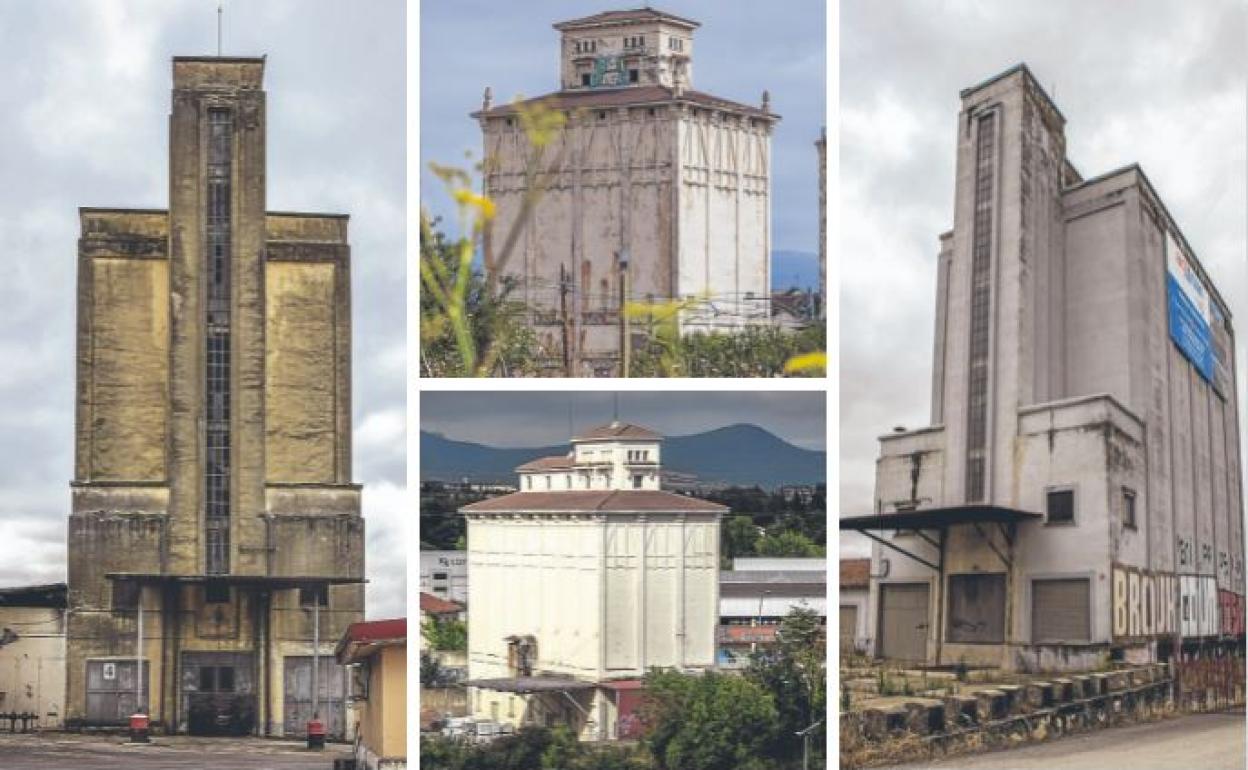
1143,603
1149,604
1198,605
1231,612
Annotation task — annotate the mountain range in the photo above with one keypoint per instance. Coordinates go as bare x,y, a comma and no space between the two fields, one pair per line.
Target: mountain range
737,455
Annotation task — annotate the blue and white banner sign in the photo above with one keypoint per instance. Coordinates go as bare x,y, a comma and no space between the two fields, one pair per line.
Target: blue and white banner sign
1196,325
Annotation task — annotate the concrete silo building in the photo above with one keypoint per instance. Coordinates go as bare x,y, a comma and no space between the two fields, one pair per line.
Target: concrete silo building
1077,497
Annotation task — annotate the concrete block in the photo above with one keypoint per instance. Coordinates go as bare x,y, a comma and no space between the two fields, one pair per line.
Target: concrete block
1100,684
1015,697
1062,691
1081,687
991,705
1117,681
923,718
1039,695
960,710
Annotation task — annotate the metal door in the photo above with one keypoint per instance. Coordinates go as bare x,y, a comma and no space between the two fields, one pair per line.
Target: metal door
297,689
112,691
849,626
904,621
218,693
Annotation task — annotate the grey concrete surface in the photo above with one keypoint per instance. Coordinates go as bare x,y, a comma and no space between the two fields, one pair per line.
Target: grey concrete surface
109,752
1205,741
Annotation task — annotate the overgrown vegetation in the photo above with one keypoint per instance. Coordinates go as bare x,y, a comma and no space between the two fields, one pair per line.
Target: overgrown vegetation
445,634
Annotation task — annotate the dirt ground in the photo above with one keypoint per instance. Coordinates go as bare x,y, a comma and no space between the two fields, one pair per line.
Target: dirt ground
112,752
1206,741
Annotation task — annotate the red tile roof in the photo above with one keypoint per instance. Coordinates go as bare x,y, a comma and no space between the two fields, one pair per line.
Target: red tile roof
555,463
618,430
624,17
855,573
362,639
604,501
433,605
623,97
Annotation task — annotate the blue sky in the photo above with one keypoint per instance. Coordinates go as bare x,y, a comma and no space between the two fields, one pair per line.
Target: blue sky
741,49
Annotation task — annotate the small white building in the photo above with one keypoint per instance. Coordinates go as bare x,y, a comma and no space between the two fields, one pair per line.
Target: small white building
855,605
583,581
444,574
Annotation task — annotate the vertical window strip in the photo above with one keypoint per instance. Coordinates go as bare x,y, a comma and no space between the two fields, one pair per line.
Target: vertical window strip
981,302
217,343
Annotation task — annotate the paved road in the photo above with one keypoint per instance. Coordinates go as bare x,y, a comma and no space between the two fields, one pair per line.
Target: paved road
63,751
1205,741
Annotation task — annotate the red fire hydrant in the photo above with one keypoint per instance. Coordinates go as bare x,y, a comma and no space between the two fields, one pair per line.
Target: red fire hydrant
138,728
316,733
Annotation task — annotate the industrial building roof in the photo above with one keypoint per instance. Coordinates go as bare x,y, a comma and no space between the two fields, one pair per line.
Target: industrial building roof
598,501
625,17
618,430
773,577
623,97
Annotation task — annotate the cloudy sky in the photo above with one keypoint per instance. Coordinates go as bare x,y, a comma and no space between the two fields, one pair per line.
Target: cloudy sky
529,419
741,49
1155,82
83,122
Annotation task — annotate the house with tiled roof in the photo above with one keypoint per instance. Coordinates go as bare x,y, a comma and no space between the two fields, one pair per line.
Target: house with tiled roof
585,579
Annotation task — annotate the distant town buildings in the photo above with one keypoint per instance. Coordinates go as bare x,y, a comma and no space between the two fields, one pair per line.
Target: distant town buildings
654,191
757,593
583,581
444,574
1077,497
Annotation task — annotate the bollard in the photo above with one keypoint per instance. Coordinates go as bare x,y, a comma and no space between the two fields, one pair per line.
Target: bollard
316,734
138,728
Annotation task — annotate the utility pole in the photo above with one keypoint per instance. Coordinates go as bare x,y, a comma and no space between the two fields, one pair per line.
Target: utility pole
219,12
624,352
566,321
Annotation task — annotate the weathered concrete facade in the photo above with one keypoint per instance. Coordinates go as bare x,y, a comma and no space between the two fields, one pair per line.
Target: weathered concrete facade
584,591
1058,388
212,483
648,181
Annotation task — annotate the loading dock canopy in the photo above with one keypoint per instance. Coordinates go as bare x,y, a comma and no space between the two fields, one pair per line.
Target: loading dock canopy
941,519
938,518
525,685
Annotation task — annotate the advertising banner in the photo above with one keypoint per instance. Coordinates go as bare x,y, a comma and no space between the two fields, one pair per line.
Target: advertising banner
1196,324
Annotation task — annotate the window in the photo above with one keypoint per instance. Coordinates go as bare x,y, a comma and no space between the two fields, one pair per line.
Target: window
314,595
976,608
585,79
528,482
439,576
216,592
1128,508
1060,610
637,480
675,44
125,595
548,484
1061,506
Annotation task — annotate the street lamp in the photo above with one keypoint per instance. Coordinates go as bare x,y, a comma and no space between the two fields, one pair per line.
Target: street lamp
805,736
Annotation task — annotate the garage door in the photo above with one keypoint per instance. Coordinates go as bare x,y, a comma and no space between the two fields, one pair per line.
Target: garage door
1060,610
112,691
331,705
903,621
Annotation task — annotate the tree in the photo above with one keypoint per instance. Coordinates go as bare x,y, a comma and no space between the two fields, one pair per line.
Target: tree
740,536
431,672
467,329
707,722
788,543
445,633
794,671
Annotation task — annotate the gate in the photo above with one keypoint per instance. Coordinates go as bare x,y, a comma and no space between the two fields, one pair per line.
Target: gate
1208,679
218,693
111,691
297,689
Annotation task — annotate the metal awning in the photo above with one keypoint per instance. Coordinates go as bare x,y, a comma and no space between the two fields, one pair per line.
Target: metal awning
274,582
938,518
941,519
525,685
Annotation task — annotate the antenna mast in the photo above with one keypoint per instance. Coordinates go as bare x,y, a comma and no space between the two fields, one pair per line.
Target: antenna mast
219,11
